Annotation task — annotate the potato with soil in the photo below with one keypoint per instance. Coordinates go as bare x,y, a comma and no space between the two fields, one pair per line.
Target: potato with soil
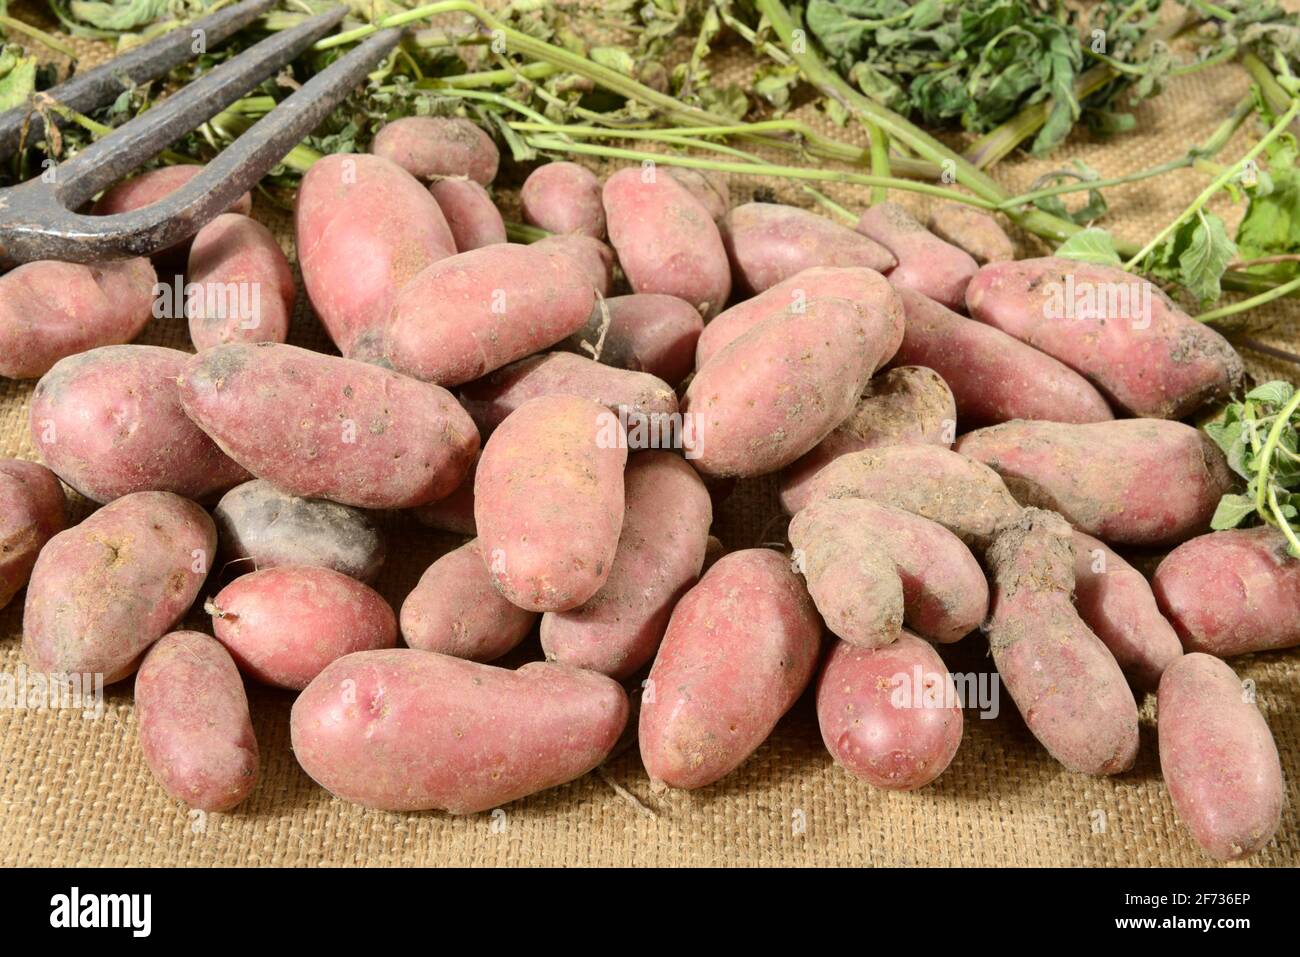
665,239
284,625
409,730
710,188
472,217
470,314
239,285
103,591
1064,681
195,731
1117,330
563,198
1232,592
33,509
320,426
881,727
976,232
109,422
926,263
260,527
643,332
740,648
1218,758
364,228
661,550
768,243
994,377
51,310
1143,482
429,147
548,501
454,610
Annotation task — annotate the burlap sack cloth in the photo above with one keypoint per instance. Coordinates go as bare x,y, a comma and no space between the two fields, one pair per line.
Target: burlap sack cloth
77,792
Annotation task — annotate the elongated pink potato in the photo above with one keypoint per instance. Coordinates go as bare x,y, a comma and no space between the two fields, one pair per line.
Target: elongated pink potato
33,509
643,332
472,217
247,292
563,198
707,186
926,263
148,187
593,257
428,147
977,232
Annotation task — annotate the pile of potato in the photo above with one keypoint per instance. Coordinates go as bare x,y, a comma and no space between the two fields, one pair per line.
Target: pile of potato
946,474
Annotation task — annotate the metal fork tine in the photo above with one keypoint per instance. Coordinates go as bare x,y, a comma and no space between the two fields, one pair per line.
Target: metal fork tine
97,87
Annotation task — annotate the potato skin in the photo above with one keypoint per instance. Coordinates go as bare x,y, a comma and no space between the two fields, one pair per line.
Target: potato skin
284,625
433,146
455,512
1128,482
908,405
408,730
899,746
259,526
646,332
51,310
103,591
660,553
769,242
563,198
1162,365
708,187
1232,592
149,187
978,233
454,610
994,377
33,509
319,426
195,731
472,217
594,258
364,228
779,389
234,250
467,315
1067,685
865,287
740,648
665,239
490,399
109,422
926,263
1218,758
548,502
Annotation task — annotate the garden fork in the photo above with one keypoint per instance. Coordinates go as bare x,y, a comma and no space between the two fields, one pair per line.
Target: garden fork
38,218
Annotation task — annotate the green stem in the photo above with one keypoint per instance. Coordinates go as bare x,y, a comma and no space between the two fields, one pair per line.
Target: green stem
1264,485
845,214
521,233
879,161
473,81
9,23
1277,292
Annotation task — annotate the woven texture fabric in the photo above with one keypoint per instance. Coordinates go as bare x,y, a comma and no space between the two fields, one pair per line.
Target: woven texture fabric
76,791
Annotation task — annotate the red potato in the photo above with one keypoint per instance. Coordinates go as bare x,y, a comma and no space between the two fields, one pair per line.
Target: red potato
51,310
319,426
455,513
239,285
944,595
908,405
490,399
1063,680
466,316
665,239
740,648
779,389
594,258
768,243
563,198
1232,592
33,510
548,502
103,591
109,422
261,527
1128,482
428,147
926,263
195,730
709,188
890,716
661,550
1218,758
978,233
364,228
869,290
644,332
409,730
472,217
1115,601
964,496
454,610
994,378
284,625
1117,330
